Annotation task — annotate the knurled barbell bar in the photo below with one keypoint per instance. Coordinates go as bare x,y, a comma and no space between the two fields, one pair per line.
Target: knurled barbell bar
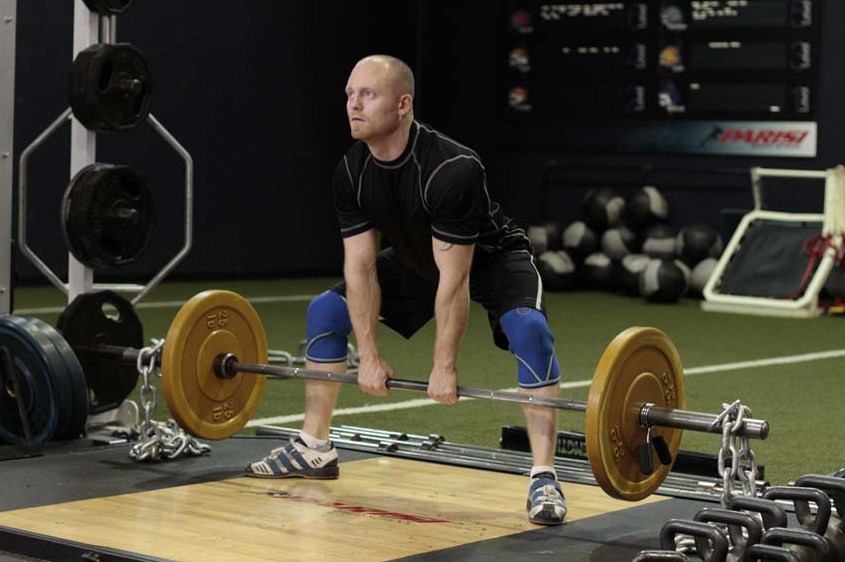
214,369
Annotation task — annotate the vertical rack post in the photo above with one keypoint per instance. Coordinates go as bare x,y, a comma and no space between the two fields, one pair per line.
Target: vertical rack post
83,143
8,23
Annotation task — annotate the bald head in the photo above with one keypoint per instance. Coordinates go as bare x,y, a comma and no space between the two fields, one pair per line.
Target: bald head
380,103
400,74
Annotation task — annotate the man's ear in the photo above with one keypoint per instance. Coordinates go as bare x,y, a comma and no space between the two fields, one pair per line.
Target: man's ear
406,104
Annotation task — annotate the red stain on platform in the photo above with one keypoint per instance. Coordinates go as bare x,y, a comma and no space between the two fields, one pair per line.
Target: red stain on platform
353,508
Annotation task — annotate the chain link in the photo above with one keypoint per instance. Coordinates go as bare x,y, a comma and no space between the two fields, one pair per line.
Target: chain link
737,466
159,440
742,472
685,545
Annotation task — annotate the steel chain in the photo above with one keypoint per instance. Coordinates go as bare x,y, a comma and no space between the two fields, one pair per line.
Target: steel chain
685,545
741,468
742,472
159,440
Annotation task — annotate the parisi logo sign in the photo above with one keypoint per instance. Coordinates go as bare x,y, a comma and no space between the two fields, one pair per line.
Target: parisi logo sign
791,139
757,138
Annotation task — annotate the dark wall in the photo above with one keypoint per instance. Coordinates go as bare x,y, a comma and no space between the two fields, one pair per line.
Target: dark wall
254,91
534,184
255,94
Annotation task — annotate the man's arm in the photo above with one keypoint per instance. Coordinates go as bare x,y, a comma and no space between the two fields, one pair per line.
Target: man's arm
451,311
363,297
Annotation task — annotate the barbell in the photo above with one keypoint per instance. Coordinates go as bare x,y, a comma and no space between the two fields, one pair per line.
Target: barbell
214,370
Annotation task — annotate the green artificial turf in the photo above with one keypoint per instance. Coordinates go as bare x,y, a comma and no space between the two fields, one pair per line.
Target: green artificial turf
802,400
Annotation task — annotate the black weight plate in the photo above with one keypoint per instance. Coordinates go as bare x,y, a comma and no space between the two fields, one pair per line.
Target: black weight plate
96,319
107,215
109,7
110,87
68,381
59,379
35,366
74,203
78,414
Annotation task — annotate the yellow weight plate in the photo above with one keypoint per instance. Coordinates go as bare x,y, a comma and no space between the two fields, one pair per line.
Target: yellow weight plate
640,365
211,323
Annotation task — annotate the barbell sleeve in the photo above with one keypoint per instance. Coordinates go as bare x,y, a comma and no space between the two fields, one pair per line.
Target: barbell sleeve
653,415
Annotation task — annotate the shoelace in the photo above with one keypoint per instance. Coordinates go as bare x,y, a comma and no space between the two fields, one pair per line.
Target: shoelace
548,491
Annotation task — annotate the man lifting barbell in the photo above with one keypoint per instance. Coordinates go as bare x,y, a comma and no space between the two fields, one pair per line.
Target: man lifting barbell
450,244
427,194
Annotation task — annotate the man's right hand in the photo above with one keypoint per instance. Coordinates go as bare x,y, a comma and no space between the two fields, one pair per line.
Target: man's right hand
373,375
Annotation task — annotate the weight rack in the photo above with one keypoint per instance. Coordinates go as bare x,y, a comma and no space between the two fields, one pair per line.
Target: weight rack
89,29
8,22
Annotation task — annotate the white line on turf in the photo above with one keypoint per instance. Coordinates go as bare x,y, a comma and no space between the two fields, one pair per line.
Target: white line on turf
786,360
406,404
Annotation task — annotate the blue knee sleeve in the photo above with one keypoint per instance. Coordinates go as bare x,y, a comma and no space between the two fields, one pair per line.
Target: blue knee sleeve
327,328
532,343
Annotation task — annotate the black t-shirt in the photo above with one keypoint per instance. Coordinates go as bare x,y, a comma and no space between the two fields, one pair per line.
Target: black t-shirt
436,188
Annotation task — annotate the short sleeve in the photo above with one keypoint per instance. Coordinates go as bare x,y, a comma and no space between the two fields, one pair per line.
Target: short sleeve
349,214
456,198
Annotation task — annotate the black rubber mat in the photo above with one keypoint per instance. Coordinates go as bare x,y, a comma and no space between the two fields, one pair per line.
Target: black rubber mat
85,472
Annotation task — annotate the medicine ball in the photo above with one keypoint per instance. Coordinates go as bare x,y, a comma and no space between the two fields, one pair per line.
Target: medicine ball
629,269
660,241
664,280
603,208
619,241
700,275
539,238
554,234
557,270
645,207
580,240
696,242
597,272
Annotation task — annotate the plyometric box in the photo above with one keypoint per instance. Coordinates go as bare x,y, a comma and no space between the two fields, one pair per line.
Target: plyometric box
776,263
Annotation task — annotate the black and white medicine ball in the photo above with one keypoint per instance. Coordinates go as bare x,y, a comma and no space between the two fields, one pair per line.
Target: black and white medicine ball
554,233
700,275
557,270
628,273
597,272
619,241
603,208
696,242
580,240
664,280
660,241
539,238
646,206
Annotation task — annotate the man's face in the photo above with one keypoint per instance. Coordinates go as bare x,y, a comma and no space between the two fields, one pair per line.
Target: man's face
372,102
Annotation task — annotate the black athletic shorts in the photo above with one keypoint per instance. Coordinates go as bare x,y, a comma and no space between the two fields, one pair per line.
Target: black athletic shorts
407,300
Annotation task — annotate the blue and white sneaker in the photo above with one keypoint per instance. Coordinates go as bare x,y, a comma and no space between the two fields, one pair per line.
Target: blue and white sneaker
297,460
546,504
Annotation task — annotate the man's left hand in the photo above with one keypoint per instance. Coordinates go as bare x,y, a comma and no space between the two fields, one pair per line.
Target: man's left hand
443,384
